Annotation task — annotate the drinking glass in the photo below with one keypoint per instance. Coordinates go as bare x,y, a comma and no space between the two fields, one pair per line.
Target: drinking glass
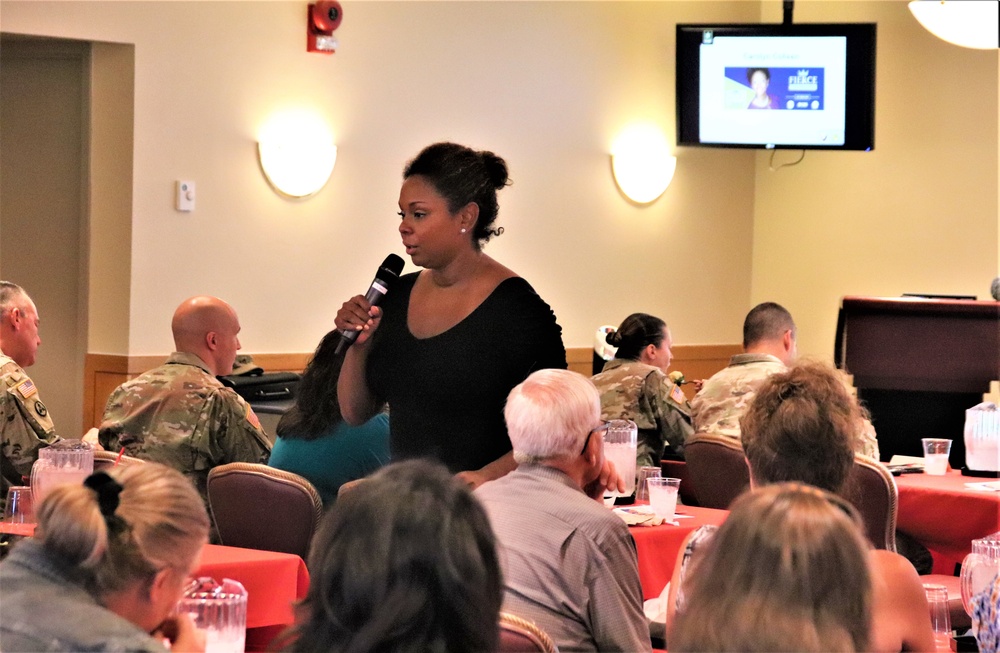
937,603
663,496
220,609
936,452
645,473
18,510
619,447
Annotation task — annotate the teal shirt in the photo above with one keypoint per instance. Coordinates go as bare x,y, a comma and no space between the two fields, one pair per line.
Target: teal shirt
344,454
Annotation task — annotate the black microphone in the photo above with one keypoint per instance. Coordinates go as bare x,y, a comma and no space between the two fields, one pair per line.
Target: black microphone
386,275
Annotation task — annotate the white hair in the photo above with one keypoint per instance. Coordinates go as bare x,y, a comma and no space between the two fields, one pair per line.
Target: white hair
550,414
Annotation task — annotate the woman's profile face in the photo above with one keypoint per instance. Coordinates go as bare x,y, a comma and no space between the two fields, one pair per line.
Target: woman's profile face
662,355
758,82
429,231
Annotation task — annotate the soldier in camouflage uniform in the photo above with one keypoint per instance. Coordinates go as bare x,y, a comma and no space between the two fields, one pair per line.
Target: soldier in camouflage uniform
769,346
180,414
635,386
25,423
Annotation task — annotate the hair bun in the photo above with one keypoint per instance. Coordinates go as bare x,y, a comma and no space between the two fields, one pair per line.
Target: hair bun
613,338
496,169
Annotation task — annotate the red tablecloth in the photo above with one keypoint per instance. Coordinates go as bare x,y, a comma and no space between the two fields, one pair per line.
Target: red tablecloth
658,546
274,581
944,515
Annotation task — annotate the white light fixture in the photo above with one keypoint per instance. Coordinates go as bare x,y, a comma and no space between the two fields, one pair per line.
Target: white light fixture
642,164
968,23
296,153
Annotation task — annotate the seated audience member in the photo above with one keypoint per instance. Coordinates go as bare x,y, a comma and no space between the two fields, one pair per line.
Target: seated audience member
635,386
785,572
769,347
986,615
25,423
108,562
569,563
802,427
180,414
313,439
404,561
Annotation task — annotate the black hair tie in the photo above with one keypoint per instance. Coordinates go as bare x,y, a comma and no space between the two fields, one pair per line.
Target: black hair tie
107,490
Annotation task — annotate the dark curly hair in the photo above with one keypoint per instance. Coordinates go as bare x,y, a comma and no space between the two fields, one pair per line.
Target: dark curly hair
463,175
802,426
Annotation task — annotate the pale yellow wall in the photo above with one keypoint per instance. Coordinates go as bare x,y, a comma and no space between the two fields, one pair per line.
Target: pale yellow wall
918,214
546,85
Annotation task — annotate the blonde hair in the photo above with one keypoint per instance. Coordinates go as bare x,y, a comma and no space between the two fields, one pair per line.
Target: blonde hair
787,571
160,522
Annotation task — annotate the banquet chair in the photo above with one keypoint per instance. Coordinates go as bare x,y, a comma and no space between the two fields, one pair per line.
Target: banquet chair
519,635
105,460
717,468
678,469
872,491
259,507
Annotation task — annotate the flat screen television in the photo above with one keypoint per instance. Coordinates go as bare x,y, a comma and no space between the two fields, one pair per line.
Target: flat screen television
798,86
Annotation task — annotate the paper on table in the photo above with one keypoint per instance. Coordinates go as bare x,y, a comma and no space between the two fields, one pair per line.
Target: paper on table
992,486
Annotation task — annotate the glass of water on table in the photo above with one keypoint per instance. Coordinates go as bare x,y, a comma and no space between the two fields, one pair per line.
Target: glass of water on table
663,496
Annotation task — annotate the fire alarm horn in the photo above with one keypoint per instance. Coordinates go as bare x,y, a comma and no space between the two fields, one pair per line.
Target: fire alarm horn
324,17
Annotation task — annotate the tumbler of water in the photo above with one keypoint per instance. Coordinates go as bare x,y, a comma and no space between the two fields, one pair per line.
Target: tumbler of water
220,609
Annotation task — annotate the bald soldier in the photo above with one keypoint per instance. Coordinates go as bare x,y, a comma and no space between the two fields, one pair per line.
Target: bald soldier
25,423
179,414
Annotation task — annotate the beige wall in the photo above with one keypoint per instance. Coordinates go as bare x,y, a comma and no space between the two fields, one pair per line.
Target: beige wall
546,85
917,214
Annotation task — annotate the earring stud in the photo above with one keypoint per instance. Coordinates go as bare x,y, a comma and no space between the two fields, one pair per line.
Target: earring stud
463,230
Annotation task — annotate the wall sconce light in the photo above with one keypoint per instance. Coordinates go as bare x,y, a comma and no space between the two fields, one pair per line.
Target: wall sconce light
642,164
968,23
297,154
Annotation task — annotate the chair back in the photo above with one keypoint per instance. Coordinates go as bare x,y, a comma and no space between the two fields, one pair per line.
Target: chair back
678,469
105,460
717,469
872,491
259,507
519,635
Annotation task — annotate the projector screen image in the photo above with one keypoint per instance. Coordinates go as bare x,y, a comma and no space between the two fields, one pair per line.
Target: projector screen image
809,86
772,89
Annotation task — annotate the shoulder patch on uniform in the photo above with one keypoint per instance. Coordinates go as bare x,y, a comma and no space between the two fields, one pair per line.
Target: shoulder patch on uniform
26,388
252,417
677,394
40,408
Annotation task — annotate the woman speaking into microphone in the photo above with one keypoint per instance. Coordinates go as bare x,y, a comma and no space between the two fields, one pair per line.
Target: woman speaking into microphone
449,342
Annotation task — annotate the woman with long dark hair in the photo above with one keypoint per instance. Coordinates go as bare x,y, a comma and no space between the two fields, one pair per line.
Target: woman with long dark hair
313,439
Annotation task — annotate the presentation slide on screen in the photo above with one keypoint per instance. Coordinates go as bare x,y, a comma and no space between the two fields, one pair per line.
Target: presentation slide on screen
778,90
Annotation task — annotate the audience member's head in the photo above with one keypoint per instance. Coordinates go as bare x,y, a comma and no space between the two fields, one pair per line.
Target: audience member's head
462,176
770,329
135,531
644,338
18,324
787,571
801,426
404,561
208,328
316,407
550,416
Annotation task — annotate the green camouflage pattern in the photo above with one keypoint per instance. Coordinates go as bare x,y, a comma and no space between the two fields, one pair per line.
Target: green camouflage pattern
180,415
642,393
25,425
724,397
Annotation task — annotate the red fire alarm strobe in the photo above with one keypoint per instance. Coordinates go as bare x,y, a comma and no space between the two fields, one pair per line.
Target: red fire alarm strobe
324,17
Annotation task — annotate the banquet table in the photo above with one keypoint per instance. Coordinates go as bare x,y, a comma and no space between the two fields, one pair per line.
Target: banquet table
274,582
945,515
658,546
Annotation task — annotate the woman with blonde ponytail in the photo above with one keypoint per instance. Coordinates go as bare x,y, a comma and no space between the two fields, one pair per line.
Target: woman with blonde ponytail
108,562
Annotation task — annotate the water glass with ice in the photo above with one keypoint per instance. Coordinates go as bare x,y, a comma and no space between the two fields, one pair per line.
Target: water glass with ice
663,496
936,452
620,441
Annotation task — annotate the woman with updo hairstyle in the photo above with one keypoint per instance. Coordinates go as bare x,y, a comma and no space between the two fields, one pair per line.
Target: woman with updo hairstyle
109,560
787,571
404,561
450,341
634,385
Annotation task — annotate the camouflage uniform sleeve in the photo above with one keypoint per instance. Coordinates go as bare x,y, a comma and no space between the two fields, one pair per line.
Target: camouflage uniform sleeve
26,427
238,436
673,410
